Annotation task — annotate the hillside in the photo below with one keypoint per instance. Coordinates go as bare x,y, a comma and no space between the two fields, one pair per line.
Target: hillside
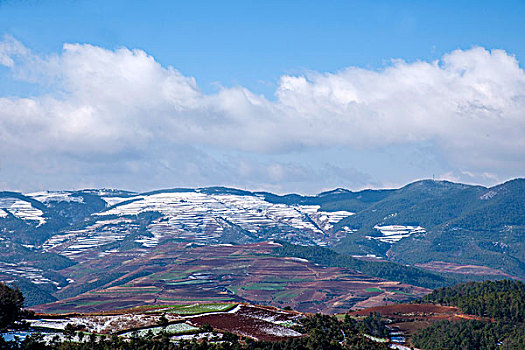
500,300
181,273
204,326
429,221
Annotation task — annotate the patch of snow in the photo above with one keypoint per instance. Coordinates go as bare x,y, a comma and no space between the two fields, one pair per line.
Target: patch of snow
55,196
35,275
102,232
488,195
336,216
58,324
394,233
175,328
22,210
188,213
326,219
235,309
198,336
111,201
373,256
376,339
281,331
401,347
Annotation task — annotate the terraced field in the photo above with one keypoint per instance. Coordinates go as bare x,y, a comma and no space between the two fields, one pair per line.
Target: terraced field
181,273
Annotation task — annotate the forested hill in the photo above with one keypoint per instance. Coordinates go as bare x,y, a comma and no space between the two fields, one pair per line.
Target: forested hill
439,221
502,302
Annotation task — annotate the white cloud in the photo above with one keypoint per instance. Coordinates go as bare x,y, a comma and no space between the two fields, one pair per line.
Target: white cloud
122,104
10,48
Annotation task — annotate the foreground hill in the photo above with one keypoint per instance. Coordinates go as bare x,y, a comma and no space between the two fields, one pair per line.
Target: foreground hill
475,315
207,326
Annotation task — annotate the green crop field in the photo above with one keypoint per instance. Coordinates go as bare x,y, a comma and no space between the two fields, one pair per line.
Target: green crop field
274,279
265,286
201,308
224,299
182,283
166,276
176,328
401,292
287,295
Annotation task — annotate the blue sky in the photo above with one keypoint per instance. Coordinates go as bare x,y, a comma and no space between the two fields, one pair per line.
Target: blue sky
252,45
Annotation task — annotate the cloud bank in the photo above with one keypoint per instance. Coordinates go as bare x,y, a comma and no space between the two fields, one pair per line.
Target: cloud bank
107,112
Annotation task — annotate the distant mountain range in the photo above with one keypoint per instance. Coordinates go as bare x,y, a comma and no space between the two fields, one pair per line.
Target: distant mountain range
439,225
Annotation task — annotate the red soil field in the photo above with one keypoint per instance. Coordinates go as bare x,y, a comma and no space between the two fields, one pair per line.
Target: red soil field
252,322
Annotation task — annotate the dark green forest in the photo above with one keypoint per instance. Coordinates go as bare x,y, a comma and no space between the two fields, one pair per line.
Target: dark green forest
11,303
500,306
471,335
501,300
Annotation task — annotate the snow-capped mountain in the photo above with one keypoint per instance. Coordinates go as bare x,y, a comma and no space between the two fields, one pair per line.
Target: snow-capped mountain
72,223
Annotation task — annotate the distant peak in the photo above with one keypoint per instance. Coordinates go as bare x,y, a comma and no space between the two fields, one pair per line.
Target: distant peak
338,190
430,183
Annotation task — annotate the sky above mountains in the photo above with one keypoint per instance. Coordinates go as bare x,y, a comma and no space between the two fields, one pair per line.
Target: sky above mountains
279,96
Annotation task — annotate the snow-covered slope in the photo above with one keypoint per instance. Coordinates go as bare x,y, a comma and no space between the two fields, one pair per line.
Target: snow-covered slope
55,196
21,209
394,233
201,217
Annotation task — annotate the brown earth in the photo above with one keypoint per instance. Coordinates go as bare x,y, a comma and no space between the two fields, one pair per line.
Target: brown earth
409,310
250,321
